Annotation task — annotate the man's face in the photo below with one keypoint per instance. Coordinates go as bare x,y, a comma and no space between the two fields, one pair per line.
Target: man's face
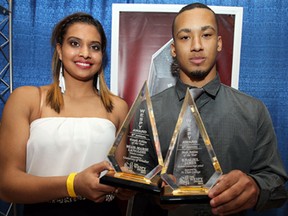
196,44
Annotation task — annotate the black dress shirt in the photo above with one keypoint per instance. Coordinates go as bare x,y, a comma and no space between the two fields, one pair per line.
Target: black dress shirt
240,130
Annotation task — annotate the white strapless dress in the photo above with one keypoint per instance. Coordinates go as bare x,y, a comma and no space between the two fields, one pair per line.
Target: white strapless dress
58,146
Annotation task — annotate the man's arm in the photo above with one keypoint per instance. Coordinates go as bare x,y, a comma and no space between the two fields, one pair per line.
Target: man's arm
261,188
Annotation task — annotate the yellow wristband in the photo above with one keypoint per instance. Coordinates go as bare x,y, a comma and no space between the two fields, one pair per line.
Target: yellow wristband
70,185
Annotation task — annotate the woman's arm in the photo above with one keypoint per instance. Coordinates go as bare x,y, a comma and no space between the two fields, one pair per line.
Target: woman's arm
16,185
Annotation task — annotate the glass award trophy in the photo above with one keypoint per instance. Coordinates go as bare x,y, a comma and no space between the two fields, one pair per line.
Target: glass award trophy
132,148
191,167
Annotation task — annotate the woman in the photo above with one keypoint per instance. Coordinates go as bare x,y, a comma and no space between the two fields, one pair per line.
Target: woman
55,138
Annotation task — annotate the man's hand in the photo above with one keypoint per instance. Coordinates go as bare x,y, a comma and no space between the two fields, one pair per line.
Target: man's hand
234,192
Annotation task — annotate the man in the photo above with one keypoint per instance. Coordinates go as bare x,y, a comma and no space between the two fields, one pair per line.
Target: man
238,125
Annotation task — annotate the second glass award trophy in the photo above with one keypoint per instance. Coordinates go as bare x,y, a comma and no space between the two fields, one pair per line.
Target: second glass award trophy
132,148
191,167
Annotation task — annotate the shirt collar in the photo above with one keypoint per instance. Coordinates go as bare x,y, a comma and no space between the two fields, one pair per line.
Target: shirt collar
210,88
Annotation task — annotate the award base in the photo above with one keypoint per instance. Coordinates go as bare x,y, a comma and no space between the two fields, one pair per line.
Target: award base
131,181
184,195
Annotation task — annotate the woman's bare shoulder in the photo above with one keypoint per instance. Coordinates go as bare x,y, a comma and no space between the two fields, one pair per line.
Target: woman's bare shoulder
24,98
24,91
119,103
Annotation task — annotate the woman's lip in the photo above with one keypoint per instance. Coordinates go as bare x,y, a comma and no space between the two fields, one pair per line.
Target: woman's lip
83,64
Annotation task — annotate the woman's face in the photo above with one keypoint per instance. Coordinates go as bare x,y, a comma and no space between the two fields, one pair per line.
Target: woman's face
81,51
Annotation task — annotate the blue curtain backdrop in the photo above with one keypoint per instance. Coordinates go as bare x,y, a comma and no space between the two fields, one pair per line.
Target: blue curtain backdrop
264,52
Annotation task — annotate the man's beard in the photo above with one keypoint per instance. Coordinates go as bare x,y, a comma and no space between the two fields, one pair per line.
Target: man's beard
198,74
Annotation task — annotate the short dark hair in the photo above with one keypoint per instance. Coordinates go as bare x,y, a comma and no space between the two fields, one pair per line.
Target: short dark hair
190,7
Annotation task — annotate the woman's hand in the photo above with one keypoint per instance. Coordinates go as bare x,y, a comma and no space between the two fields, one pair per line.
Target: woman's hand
87,184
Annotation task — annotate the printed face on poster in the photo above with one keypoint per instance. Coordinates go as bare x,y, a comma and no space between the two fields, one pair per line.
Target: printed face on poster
140,50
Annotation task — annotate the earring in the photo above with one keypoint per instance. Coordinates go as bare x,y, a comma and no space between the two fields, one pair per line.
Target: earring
98,82
62,80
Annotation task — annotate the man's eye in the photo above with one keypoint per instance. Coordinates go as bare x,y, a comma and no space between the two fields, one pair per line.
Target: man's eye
184,37
207,35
